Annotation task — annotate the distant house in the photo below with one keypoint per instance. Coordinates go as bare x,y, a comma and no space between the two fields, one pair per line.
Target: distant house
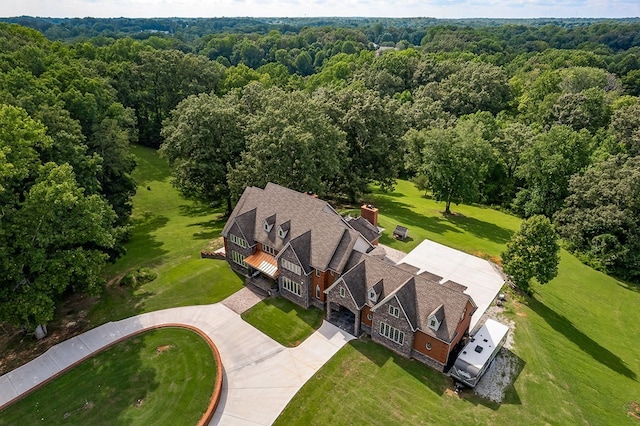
296,245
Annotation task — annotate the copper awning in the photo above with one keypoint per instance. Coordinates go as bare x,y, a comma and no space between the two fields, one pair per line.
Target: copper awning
264,263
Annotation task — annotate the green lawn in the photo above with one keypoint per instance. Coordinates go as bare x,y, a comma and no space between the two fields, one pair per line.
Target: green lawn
168,234
283,321
474,229
575,342
162,377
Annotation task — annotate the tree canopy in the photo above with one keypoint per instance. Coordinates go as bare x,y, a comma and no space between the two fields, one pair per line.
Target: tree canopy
532,252
601,217
508,113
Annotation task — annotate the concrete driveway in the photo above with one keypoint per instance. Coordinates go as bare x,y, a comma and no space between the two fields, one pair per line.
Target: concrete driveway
260,375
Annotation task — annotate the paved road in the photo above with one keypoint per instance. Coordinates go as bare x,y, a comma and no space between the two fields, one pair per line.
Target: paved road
260,375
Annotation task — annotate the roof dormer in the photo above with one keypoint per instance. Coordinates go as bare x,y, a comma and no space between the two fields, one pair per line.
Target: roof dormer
435,318
283,229
375,292
268,223
372,295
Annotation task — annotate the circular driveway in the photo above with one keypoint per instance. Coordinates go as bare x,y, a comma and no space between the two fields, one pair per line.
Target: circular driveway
260,375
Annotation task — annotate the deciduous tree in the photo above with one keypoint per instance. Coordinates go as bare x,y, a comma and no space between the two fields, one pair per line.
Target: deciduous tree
532,252
203,141
455,161
52,234
601,217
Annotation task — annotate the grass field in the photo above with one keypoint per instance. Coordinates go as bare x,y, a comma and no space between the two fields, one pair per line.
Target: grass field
477,230
575,342
162,377
168,234
284,321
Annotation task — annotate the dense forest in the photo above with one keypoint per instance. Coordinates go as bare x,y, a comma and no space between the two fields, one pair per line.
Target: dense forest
540,118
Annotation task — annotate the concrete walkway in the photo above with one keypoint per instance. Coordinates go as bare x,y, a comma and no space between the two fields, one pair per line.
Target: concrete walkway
260,375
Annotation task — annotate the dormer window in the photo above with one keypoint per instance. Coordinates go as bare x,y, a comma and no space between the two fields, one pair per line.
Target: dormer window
434,324
282,233
373,296
267,226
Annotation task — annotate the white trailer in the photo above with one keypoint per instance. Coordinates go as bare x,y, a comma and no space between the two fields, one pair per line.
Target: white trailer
476,356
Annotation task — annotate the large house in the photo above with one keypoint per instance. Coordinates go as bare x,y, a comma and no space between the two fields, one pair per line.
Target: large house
298,246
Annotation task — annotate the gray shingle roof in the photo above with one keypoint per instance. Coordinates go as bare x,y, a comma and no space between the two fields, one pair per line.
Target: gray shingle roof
330,245
452,284
432,277
418,295
363,226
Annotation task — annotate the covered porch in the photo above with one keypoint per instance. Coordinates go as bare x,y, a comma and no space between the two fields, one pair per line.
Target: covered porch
263,271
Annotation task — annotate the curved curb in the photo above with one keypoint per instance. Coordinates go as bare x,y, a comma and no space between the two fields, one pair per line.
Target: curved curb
217,388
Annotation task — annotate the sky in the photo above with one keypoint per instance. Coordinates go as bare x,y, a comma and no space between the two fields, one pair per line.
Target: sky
313,8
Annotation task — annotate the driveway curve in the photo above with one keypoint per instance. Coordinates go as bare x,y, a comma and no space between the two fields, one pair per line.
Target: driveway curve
260,375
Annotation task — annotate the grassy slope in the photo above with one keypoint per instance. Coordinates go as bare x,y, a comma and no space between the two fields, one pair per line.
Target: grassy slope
576,341
283,321
173,386
473,229
168,234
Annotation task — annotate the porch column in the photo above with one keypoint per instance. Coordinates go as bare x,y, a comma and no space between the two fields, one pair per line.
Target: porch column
328,311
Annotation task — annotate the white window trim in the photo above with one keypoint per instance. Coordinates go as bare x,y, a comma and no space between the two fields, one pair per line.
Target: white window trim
281,232
266,226
373,296
394,312
238,258
434,324
290,266
392,333
268,249
318,272
291,286
238,241
343,292
317,292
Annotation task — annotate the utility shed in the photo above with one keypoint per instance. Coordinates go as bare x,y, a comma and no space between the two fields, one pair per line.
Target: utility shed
400,232
476,356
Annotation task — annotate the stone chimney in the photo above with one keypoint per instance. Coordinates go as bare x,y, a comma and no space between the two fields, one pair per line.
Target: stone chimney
370,213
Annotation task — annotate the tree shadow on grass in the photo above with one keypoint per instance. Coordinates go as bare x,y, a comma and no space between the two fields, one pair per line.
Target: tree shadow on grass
562,325
213,229
404,215
481,229
195,209
144,246
628,285
408,216
379,355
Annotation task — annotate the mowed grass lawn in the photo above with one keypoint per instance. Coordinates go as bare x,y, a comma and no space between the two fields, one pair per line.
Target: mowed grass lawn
168,234
284,321
476,230
161,377
576,343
